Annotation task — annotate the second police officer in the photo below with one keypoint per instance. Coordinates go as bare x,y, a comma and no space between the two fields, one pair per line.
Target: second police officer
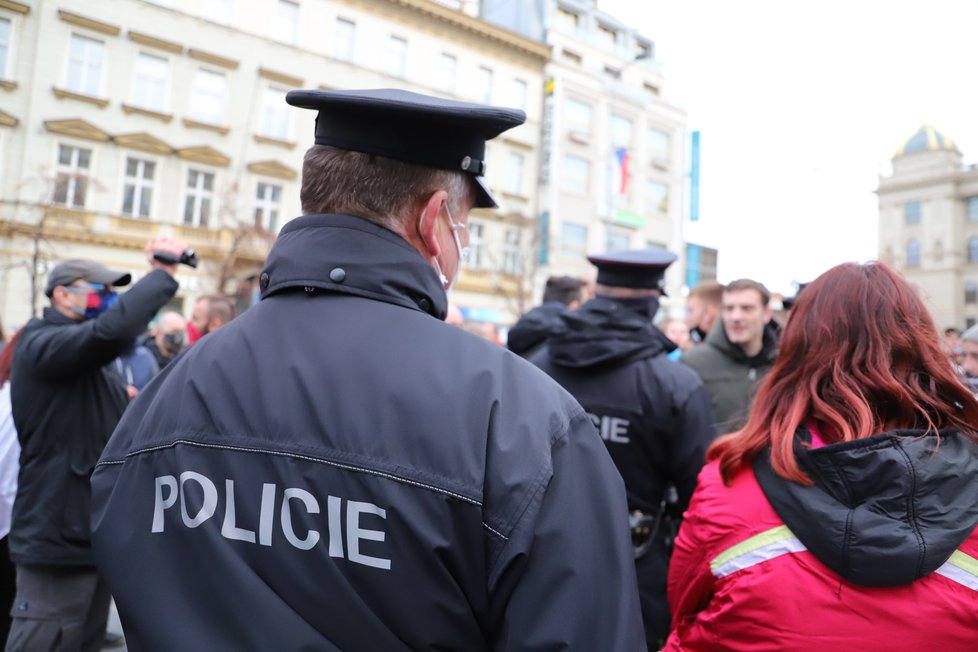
653,414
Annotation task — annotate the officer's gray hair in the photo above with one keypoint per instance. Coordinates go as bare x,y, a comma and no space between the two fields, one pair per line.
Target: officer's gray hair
379,189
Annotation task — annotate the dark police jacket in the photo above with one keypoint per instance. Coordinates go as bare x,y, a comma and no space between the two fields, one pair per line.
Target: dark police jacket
653,415
66,399
338,469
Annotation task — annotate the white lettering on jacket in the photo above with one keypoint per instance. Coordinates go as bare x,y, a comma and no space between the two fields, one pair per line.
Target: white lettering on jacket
613,429
205,500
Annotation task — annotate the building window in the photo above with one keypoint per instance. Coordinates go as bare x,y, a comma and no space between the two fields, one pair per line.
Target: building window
972,209
514,173
573,240
446,72
344,35
512,260
913,253
396,56
149,85
577,174
656,197
578,115
218,11
567,20
973,250
200,191
912,212
658,146
4,47
207,96
275,115
612,72
85,56
607,37
969,322
519,94
477,245
285,27
268,204
137,195
621,130
71,180
617,240
970,292
573,57
483,85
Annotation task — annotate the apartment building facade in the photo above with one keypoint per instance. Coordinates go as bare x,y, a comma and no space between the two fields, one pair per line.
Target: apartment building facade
126,120
613,160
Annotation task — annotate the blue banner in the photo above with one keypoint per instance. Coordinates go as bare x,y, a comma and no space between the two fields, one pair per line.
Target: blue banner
692,265
694,179
544,237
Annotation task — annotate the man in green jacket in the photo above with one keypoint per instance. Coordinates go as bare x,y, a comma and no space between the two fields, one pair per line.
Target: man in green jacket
737,354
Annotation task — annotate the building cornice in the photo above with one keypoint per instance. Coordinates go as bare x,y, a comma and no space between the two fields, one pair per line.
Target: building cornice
214,59
16,7
481,28
196,124
63,94
145,142
7,120
273,169
164,117
204,154
77,128
153,42
266,140
88,23
8,85
280,77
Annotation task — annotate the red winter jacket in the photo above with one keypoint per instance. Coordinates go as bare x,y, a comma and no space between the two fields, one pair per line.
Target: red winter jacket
881,554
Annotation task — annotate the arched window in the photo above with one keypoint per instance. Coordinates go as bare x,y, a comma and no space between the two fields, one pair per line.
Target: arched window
970,292
973,250
913,253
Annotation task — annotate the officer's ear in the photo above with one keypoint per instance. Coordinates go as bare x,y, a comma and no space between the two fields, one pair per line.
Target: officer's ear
428,223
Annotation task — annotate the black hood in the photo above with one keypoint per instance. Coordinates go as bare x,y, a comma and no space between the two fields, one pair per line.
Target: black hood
534,327
885,510
605,331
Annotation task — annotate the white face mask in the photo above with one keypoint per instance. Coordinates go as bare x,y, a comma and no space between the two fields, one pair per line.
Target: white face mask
463,253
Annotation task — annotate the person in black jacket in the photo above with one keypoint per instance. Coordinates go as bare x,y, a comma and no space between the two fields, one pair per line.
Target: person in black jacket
66,398
653,414
560,294
339,469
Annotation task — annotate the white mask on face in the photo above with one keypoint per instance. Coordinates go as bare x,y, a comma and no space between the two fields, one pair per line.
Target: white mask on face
463,253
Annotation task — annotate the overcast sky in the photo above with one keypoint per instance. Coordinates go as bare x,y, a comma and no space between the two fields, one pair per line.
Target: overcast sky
801,105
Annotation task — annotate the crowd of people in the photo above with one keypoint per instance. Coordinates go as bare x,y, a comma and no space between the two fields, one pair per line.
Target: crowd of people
349,465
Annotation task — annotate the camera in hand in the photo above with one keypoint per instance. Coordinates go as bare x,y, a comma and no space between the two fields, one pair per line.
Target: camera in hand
188,257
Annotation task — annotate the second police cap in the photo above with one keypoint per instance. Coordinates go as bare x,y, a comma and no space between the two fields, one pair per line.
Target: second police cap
410,127
633,268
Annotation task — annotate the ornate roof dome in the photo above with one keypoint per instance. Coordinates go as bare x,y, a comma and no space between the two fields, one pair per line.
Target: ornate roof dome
927,139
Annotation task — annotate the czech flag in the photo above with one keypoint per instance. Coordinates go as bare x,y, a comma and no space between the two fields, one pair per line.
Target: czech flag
619,170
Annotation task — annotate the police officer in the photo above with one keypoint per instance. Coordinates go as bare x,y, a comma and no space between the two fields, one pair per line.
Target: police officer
338,469
653,415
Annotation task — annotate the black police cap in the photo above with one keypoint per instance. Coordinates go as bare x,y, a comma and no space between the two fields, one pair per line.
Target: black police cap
633,268
410,127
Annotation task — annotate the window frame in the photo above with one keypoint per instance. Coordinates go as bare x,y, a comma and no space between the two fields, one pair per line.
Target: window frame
512,262
573,247
566,178
165,98
348,43
477,245
199,193
278,23
277,108
73,178
913,253
139,184
268,205
192,109
913,217
6,64
83,88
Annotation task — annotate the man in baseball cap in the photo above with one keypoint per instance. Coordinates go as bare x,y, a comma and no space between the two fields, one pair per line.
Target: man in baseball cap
65,404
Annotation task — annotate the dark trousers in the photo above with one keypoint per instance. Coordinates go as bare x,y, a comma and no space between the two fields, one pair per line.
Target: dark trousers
8,586
58,609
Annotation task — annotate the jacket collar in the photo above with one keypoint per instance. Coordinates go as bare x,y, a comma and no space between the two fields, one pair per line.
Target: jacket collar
350,255
52,315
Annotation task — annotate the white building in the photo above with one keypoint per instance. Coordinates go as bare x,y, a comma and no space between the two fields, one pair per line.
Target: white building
929,225
124,120
613,167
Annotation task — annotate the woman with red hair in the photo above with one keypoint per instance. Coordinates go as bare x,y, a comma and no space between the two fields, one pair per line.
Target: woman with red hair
842,517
